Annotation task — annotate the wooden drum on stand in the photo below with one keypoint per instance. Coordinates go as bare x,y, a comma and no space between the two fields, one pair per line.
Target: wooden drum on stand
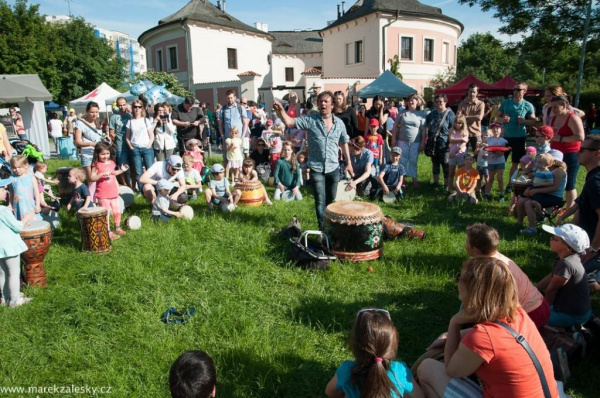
94,230
65,190
252,193
37,236
355,230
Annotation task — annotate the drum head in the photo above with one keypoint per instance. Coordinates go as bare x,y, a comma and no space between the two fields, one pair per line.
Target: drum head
353,213
134,222
92,211
287,196
187,212
126,194
36,226
342,195
390,197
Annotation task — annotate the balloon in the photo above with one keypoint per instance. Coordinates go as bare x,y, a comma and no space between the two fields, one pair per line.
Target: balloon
156,94
141,87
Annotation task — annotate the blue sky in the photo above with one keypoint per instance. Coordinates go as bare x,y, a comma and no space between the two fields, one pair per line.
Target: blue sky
134,16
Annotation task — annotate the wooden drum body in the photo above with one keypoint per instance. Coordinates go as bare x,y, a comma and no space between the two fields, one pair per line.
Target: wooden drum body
252,193
94,230
355,230
65,190
37,236
519,188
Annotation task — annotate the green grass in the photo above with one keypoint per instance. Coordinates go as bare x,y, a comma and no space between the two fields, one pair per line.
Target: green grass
273,329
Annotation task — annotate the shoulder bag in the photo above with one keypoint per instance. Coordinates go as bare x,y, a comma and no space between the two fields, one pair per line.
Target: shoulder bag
430,145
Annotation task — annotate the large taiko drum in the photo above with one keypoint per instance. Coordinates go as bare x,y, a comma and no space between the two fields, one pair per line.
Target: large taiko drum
37,235
94,229
65,190
355,230
252,193
519,188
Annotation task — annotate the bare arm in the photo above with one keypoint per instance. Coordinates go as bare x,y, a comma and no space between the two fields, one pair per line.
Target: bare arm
285,118
555,284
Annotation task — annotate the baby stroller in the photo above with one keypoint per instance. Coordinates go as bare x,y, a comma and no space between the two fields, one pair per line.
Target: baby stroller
5,170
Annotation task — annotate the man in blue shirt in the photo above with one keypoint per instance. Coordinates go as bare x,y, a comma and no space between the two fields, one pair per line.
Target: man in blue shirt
232,114
117,128
325,134
516,114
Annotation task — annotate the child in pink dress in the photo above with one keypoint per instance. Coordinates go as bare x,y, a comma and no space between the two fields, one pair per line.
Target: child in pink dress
107,189
195,150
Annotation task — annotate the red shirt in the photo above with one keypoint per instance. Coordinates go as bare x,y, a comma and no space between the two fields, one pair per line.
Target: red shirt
106,187
565,131
374,143
507,370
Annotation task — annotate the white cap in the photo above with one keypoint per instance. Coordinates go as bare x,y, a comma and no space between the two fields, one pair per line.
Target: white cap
574,236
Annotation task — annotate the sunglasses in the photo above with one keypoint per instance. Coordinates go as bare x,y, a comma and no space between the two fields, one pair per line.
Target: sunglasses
244,103
260,144
136,107
385,312
583,149
518,89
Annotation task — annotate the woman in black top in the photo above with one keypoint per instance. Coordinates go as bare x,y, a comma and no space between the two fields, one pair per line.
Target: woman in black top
379,112
347,113
261,154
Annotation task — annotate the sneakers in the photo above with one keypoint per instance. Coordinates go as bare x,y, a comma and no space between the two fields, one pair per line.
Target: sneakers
529,231
120,231
113,236
501,199
508,189
19,302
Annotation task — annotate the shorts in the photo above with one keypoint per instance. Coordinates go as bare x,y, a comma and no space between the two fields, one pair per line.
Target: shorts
499,166
483,172
458,160
162,217
216,202
86,160
517,146
547,200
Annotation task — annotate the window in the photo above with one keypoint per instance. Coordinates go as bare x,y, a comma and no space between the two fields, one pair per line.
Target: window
446,53
406,48
358,51
159,65
428,50
354,52
289,74
172,58
232,58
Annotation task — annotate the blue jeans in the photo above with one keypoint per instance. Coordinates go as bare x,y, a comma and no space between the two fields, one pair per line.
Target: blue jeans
324,190
139,155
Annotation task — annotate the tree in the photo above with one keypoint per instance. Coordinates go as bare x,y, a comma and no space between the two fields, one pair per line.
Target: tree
395,66
443,79
169,79
486,57
68,57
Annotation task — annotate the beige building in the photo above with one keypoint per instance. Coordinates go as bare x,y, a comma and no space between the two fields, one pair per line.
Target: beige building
210,51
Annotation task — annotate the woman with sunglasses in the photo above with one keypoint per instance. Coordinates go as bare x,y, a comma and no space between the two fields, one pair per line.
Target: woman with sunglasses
346,113
139,139
568,135
489,295
374,372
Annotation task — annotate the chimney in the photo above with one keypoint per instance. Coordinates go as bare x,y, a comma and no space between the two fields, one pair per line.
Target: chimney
339,15
343,7
223,4
219,4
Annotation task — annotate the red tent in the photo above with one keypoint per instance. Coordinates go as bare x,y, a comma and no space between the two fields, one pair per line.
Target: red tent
507,83
456,91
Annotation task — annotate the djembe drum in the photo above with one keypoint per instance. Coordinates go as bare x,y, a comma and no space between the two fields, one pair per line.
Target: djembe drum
65,190
94,230
252,193
355,230
519,188
37,235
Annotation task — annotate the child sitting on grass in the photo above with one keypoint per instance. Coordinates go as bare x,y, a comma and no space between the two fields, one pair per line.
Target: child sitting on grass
287,173
374,372
81,194
390,177
465,181
160,207
11,246
219,193
566,287
193,179
193,375
248,174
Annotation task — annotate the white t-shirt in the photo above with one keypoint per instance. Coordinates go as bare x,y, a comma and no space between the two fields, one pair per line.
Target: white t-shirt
158,171
55,126
139,132
193,177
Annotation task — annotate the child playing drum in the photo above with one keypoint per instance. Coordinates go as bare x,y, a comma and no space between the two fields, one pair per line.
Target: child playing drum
248,174
81,194
11,246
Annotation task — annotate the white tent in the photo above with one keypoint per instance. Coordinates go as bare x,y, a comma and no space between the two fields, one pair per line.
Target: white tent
30,93
97,95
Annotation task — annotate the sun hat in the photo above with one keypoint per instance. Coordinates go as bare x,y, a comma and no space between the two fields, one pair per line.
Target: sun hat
397,150
546,131
191,142
71,110
374,122
556,154
175,161
164,184
269,122
575,237
526,159
531,150
217,168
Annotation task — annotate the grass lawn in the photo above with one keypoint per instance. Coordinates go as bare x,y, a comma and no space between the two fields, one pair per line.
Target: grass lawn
272,329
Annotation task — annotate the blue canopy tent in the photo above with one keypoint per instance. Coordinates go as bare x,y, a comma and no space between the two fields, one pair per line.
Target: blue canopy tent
387,85
52,107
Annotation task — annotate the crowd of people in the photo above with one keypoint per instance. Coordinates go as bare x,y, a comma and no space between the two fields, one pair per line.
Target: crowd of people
159,152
